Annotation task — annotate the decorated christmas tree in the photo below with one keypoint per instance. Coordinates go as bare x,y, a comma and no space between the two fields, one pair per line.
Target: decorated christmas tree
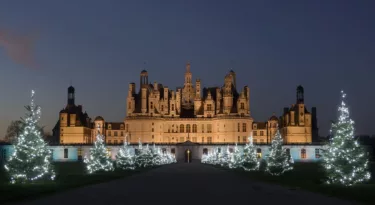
235,158
249,160
31,159
225,157
144,157
278,159
125,160
98,159
156,156
345,160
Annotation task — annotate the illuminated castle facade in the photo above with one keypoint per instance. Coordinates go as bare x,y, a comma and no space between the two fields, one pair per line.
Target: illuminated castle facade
157,114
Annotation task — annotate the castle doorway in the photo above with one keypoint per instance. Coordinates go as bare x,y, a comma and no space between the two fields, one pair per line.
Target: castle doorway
188,156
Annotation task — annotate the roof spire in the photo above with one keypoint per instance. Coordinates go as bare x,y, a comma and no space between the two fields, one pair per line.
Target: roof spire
188,67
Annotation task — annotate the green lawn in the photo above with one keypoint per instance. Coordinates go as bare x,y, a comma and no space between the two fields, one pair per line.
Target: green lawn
310,176
68,175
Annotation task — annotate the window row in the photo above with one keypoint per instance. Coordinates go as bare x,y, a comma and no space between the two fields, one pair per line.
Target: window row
255,133
190,128
115,133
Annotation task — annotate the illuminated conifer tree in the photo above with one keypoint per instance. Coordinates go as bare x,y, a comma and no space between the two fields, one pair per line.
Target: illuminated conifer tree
236,158
344,159
278,159
249,160
98,159
31,159
125,160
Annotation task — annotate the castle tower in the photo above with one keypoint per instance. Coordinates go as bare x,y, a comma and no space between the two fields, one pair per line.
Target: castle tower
188,92
300,98
143,79
130,99
143,87
301,106
71,96
233,74
228,95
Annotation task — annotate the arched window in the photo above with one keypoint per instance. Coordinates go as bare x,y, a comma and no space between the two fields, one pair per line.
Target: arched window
303,154
182,128
187,128
194,128
259,153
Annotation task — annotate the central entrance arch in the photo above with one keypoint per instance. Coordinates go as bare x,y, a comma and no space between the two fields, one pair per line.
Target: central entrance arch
188,154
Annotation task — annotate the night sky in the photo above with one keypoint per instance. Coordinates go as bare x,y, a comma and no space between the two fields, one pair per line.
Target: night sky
273,46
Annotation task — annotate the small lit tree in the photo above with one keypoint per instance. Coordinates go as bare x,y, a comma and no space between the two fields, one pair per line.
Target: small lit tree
98,159
144,157
278,159
345,161
31,159
125,160
249,160
225,158
236,158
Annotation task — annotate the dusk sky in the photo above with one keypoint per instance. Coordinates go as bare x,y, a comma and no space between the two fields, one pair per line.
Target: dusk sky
273,46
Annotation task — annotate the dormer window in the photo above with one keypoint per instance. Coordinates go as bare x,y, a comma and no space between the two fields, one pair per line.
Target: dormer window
122,126
109,126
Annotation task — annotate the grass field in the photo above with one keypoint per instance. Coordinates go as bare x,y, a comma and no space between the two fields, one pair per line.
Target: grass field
68,175
310,176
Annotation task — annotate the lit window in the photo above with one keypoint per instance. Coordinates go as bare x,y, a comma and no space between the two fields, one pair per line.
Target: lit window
209,128
187,128
194,128
259,153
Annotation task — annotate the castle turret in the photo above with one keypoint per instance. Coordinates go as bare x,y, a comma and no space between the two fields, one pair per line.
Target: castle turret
166,90
198,89
228,95
71,96
130,99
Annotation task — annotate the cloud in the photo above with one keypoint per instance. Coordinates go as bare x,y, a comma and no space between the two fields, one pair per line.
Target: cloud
19,48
